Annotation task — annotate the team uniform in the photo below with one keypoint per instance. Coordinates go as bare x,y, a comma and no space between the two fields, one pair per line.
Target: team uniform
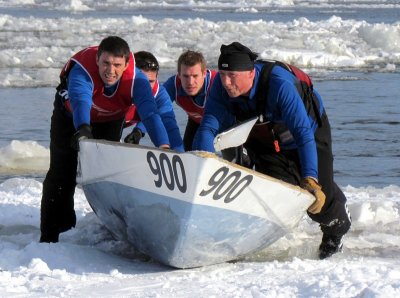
193,106
303,148
83,99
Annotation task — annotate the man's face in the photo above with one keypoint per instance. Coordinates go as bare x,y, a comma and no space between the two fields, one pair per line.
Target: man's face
151,75
192,78
237,83
111,67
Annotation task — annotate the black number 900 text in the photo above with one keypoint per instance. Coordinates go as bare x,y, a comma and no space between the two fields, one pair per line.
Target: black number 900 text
167,172
227,186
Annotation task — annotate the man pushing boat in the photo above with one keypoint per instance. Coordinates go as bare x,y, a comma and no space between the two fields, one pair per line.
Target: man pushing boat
291,140
98,85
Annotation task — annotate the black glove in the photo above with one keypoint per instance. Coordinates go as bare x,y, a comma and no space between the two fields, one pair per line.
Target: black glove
84,132
134,137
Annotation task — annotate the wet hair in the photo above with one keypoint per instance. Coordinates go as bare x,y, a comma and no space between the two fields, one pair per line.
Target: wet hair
191,58
116,46
146,61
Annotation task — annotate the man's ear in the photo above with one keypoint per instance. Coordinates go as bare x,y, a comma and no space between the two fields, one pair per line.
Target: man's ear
252,73
126,65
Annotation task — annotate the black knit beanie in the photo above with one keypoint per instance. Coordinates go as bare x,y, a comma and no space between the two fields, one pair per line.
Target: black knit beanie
236,57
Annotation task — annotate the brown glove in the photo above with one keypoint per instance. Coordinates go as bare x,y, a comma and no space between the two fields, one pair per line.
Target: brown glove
313,187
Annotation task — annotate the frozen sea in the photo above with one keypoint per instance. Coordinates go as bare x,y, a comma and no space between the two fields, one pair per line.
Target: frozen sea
350,48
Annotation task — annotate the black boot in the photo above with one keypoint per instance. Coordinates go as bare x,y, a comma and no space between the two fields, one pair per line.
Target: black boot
49,237
57,213
48,221
330,245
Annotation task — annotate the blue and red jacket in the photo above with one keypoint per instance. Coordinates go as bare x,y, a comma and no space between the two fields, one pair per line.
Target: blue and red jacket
91,101
193,106
284,106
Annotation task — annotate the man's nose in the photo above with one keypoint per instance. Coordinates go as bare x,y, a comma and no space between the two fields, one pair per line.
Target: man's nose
110,68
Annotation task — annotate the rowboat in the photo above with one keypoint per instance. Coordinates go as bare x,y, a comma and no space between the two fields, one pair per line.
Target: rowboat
187,209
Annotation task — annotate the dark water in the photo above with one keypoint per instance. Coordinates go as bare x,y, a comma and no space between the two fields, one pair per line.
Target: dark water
365,120
380,11
363,109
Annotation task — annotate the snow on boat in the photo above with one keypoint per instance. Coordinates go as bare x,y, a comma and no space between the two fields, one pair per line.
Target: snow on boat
186,209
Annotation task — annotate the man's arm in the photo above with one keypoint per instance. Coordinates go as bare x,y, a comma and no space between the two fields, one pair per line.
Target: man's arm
146,106
80,90
168,118
164,106
297,120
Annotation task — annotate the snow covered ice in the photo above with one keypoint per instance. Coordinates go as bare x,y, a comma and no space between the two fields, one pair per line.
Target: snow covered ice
88,262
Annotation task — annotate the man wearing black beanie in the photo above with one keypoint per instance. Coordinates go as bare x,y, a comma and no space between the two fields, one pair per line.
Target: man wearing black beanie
292,139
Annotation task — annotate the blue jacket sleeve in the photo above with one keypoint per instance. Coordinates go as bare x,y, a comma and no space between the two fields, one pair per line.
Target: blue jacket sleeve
80,91
164,106
172,128
146,106
168,118
286,103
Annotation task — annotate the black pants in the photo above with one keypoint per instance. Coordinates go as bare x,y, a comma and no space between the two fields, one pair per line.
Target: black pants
190,131
334,218
57,207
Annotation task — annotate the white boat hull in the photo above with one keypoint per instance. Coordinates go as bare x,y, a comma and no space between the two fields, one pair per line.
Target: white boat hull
186,209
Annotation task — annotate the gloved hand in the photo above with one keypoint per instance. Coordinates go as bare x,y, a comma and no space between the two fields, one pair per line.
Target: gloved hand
84,132
134,137
313,187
